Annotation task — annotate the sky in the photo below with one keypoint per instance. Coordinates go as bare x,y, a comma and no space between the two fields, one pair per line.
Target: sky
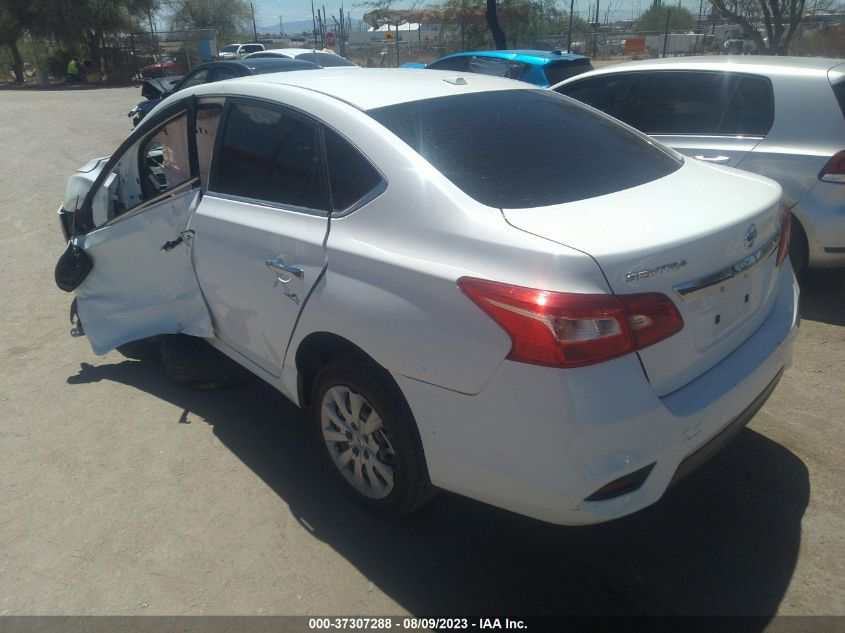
267,11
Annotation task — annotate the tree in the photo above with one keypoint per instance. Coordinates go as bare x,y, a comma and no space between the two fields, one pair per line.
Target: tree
88,21
654,20
495,29
780,18
227,17
13,16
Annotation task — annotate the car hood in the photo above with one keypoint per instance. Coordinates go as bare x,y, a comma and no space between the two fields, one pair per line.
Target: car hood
155,88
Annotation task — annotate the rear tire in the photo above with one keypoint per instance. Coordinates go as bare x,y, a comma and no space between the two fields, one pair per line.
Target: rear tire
145,349
191,361
370,438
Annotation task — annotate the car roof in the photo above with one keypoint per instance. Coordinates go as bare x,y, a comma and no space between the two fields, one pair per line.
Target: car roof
270,64
367,88
293,51
535,56
758,64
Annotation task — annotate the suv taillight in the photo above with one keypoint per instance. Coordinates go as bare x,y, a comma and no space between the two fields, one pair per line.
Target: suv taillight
834,171
785,230
560,329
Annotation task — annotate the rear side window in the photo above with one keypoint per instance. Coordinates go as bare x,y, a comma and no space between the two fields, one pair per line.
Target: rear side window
351,176
705,103
751,111
557,71
327,60
496,67
488,144
839,91
270,155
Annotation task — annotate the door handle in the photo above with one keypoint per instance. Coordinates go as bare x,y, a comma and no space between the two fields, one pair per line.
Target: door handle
279,266
713,159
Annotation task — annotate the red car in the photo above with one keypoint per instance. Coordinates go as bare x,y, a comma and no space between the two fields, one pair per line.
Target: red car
165,67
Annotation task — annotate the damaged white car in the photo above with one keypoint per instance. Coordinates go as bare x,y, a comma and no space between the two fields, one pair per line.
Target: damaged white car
418,259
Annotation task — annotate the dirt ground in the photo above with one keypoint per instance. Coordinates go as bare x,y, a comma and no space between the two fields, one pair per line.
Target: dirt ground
121,493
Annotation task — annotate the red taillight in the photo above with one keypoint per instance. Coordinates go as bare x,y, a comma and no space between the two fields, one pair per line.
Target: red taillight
785,225
834,171
561,329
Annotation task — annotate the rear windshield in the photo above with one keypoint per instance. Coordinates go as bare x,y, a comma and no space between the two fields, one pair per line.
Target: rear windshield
559,70
326,60
839,91
517,149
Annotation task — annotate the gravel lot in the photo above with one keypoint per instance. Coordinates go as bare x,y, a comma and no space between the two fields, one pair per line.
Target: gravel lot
121,493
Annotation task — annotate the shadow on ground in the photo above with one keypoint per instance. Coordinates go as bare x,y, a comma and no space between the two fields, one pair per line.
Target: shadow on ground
725,541
823,296
65,87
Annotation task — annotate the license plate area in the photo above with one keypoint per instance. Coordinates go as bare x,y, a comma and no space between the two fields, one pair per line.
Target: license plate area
719,303
719,310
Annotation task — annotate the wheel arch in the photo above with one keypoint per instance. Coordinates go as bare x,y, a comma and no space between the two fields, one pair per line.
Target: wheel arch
318,349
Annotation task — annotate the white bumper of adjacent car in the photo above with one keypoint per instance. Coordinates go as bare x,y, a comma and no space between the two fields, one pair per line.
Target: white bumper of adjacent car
822,212
539,441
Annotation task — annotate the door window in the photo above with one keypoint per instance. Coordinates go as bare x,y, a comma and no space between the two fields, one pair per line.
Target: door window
150,167
351,176
605,92
679,102
208,120
199,77
270,155
699,103
164,162
224,73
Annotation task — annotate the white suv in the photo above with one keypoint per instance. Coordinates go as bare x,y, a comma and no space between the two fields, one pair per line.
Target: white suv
237,51
472,283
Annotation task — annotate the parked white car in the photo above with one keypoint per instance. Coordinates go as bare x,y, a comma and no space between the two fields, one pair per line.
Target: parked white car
781,117
461,304
326,59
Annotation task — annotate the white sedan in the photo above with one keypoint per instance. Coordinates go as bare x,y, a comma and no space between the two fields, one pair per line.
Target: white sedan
473,284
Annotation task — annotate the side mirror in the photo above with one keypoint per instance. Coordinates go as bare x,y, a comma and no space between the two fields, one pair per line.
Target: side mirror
72,268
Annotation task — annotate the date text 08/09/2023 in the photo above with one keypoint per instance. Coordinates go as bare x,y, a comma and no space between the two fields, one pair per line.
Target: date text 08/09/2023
413,624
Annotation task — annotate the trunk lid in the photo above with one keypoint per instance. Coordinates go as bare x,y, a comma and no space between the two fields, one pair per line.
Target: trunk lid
704,236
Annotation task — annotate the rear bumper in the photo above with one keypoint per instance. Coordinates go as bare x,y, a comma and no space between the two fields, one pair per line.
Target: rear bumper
822,214
723,437
539,441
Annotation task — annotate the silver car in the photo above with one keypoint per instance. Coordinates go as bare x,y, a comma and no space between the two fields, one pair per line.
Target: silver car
780,117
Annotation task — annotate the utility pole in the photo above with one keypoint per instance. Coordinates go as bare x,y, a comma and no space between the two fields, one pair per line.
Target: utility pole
314,23
569,38
281,27
698,25
254,29
596,30
666,33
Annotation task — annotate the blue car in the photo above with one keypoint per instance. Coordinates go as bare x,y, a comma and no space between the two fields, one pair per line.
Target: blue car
543,68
